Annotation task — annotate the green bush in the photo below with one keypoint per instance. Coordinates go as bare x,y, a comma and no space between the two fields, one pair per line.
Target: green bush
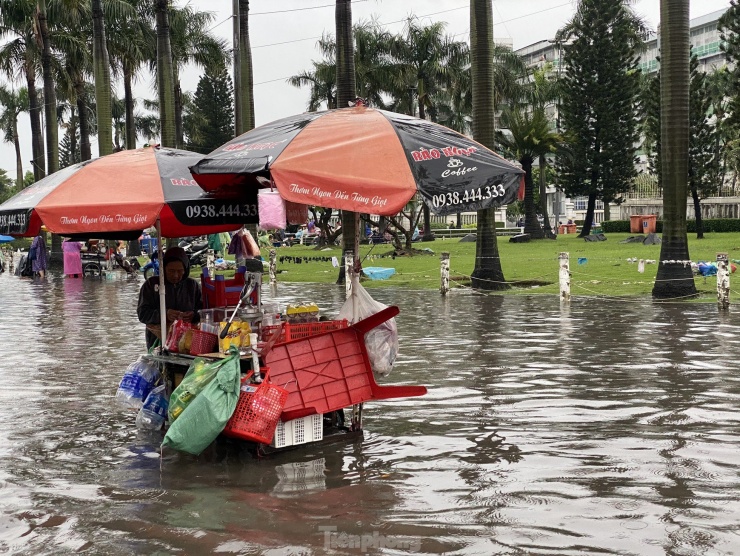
615,227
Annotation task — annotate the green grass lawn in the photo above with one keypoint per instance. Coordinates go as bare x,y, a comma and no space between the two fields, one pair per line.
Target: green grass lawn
529,267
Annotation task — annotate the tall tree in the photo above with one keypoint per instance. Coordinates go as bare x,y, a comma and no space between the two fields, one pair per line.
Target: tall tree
674,280
191,42
210,122
246,76
20,56
529,138
422,56
487,274
50,103
600,101
102,81
13,104
346,93
165,75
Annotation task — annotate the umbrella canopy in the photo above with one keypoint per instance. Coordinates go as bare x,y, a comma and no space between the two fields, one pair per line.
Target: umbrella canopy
6,239
365,160
123,193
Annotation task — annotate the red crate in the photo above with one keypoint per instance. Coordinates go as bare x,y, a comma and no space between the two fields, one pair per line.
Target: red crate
296,331
331,371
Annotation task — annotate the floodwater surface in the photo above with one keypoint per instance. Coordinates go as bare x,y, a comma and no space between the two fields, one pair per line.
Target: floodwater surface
603,427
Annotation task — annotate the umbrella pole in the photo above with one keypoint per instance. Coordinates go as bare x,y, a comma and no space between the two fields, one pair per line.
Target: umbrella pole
162,304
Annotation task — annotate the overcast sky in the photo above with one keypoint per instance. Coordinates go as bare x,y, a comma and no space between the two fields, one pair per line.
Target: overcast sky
283,34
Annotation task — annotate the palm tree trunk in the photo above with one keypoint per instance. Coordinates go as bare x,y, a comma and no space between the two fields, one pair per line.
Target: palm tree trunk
74,123
674,280
245,68
487,274
543,197
165,76
531,222
18,160
85,150
102,81
34,112
179,132
50,98
346,92
129,103
238,125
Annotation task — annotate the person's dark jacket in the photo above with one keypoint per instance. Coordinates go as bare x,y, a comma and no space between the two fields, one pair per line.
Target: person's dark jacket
183,296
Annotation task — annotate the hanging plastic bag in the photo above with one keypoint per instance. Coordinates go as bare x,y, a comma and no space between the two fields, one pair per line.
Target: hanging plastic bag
195,380
153,413
207,415
382,341
136,383
271,208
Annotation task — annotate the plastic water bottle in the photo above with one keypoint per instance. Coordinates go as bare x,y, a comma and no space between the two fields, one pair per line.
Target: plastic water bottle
153,412
136,384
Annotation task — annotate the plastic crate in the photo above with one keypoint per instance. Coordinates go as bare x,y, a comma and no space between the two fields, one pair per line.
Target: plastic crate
298,431
296,331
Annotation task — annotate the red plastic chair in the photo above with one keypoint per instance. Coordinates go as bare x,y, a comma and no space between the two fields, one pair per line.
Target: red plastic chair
219,291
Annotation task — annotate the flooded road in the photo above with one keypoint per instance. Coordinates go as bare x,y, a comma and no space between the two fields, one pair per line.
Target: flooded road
606,427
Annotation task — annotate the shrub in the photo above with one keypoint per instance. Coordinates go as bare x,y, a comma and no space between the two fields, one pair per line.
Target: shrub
715,225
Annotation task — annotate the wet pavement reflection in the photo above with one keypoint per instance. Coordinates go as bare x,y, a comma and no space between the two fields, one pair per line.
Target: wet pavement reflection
605,427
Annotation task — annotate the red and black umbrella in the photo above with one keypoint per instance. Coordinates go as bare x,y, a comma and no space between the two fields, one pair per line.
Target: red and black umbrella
364,160
123,193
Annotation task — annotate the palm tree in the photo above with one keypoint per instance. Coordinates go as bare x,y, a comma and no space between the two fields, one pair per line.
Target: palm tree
50,102
246,77
14,103
674,280
487,274
191,43
346,93
165,75
102,81
421,59
322,82
21,57
530,138
132,42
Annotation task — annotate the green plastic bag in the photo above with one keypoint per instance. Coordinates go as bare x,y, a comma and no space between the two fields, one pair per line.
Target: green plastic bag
207,414
199,375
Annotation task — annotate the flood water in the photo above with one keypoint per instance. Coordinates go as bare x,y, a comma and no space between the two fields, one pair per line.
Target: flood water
606,427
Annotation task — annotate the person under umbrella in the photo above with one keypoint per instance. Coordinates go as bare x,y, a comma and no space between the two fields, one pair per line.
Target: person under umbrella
37,254
182,295
72,258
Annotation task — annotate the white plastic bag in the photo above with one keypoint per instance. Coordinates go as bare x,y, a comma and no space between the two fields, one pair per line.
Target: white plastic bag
271,208
381,341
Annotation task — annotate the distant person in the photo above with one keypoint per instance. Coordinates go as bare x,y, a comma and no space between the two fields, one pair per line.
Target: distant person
215,243
37,254
72,258
415,235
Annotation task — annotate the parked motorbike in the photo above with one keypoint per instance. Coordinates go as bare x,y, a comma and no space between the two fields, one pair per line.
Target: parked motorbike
196,249
152,267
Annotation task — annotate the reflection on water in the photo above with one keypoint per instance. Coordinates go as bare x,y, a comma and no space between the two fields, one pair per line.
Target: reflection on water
596,428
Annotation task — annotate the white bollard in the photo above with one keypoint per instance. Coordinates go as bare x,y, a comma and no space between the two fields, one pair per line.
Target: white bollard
564,275
723,281
444,271
349,271
211,263
273,267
